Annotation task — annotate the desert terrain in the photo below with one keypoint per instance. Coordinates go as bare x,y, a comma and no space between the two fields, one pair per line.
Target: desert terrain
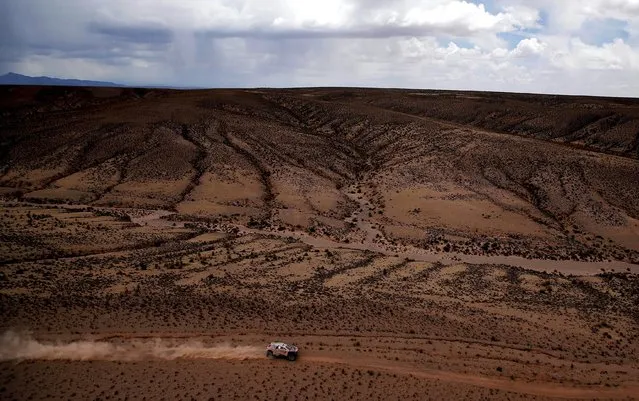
414,244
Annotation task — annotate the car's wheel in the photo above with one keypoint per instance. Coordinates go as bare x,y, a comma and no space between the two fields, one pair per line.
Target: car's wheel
291,357
269,355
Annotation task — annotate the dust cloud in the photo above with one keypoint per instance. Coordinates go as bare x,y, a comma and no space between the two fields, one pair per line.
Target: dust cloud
20,346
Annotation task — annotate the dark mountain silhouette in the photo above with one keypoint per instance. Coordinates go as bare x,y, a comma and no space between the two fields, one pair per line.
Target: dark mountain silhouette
19,79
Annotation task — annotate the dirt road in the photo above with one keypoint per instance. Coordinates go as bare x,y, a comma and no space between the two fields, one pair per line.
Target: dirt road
320,350
374,240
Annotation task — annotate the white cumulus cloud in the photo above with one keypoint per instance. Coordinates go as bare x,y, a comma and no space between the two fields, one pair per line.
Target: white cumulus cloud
515,45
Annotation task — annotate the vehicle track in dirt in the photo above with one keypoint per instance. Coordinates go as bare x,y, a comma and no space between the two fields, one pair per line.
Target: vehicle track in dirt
130,348
516,386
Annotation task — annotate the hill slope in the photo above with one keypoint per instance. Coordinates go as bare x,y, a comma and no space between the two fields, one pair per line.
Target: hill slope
438,171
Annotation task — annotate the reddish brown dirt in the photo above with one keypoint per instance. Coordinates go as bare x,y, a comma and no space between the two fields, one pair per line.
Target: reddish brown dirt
414,244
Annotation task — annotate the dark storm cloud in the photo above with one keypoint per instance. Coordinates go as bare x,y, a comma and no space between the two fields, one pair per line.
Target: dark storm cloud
92,49
64,29
132,33
10,49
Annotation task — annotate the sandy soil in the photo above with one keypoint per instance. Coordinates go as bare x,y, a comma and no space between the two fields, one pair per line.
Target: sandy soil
414,245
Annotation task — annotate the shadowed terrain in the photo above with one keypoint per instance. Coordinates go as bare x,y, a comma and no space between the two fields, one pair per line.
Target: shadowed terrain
466,245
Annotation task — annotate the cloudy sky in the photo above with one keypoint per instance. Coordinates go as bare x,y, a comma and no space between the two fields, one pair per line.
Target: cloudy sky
552,46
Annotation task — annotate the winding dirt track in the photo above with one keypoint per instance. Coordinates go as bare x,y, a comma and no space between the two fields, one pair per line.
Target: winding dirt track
562,266
156,219
517,386
126,347
407,251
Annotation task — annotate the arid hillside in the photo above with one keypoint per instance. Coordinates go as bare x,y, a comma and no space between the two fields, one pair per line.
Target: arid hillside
414,244
475,173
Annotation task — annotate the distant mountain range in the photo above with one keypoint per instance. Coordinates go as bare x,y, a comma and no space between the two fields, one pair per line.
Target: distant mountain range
19,79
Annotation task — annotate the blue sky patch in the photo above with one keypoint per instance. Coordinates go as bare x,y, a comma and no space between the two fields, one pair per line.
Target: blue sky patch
512,38
543,21
490,5
460,42
599,31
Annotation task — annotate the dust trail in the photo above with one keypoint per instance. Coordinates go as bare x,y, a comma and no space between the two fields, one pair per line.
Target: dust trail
15,346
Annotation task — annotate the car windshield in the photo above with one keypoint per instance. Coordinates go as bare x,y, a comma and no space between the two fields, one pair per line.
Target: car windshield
282,346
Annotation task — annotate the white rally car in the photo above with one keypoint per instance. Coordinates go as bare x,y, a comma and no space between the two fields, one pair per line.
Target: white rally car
281,350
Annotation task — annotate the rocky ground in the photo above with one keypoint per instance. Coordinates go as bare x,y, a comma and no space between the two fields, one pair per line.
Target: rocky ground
420,245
